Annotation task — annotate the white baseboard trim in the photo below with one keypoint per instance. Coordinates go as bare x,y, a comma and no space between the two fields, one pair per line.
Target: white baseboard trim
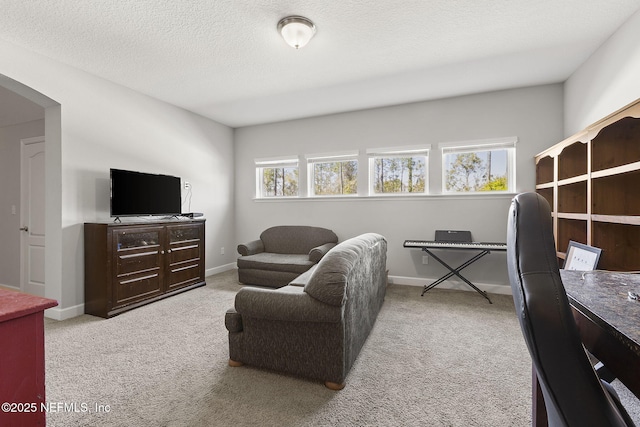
220,269
492,288
56,313
9,287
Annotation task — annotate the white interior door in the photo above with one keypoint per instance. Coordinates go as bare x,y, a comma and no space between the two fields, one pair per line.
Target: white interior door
32,214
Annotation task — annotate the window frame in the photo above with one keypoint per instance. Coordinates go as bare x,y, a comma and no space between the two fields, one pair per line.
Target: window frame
342,156
398,152
273,163
494,144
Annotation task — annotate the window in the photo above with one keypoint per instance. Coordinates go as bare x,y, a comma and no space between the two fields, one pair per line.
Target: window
398,170
479,166
333,174
277,177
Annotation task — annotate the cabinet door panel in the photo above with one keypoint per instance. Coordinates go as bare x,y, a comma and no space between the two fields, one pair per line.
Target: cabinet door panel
137,238
185,263
137,264
184,253
136,288
184,233
139,261
183,274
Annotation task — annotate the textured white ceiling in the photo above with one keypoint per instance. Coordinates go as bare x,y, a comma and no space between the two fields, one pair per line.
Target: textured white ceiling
225,60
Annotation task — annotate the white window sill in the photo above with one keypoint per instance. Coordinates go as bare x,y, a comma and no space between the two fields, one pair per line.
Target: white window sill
403,197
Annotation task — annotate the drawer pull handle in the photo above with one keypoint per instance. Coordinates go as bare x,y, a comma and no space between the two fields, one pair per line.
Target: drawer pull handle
138,279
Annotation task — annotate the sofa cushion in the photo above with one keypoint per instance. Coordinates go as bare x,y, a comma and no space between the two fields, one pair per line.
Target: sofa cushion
295,239
276,262
302,279
328,281
286,304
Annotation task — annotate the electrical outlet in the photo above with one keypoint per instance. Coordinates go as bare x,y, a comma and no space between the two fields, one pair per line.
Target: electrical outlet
187,185
222,251
425,259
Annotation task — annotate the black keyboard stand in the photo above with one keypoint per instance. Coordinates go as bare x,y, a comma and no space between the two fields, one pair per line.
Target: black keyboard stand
456,272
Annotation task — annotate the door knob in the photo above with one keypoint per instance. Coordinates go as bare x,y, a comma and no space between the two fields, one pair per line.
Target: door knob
25,228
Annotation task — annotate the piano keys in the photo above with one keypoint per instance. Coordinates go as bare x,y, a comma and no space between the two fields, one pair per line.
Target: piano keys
432,244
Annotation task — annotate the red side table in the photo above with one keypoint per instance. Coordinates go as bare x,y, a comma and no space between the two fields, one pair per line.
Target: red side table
22,358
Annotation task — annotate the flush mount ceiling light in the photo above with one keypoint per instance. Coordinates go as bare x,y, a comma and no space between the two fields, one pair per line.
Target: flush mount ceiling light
296,30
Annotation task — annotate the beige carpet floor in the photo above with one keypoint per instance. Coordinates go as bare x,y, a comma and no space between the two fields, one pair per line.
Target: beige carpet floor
446,359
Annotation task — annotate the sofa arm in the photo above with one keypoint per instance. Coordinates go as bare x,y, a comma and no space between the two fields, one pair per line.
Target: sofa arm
290,304
318,252
233,321
251,248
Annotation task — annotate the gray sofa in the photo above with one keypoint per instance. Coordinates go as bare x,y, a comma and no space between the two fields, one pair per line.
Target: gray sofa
315,326
283,253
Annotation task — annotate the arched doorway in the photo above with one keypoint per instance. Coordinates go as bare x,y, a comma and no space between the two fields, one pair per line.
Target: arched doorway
28,104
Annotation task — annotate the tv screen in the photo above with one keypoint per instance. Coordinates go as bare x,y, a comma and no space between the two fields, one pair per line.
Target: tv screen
138,194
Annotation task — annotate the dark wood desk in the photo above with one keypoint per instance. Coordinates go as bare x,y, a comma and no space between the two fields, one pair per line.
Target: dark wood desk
609,325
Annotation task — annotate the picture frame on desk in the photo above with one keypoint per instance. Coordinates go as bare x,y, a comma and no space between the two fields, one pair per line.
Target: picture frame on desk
581,257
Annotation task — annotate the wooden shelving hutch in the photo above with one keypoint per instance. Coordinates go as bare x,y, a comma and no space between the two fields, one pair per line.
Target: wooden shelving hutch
592,182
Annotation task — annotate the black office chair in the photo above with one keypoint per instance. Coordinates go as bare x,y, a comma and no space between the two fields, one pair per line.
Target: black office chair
573,393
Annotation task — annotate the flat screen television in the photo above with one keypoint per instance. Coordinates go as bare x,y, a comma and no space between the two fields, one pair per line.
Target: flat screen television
141,194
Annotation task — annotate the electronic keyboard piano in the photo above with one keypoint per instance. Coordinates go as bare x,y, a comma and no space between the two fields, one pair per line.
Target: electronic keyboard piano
431,244
428,245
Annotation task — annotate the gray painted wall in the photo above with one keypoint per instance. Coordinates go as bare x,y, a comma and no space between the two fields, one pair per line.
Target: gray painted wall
534,115
99,125
607,81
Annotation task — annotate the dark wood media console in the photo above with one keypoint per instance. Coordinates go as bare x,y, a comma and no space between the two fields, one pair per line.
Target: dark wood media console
131,264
